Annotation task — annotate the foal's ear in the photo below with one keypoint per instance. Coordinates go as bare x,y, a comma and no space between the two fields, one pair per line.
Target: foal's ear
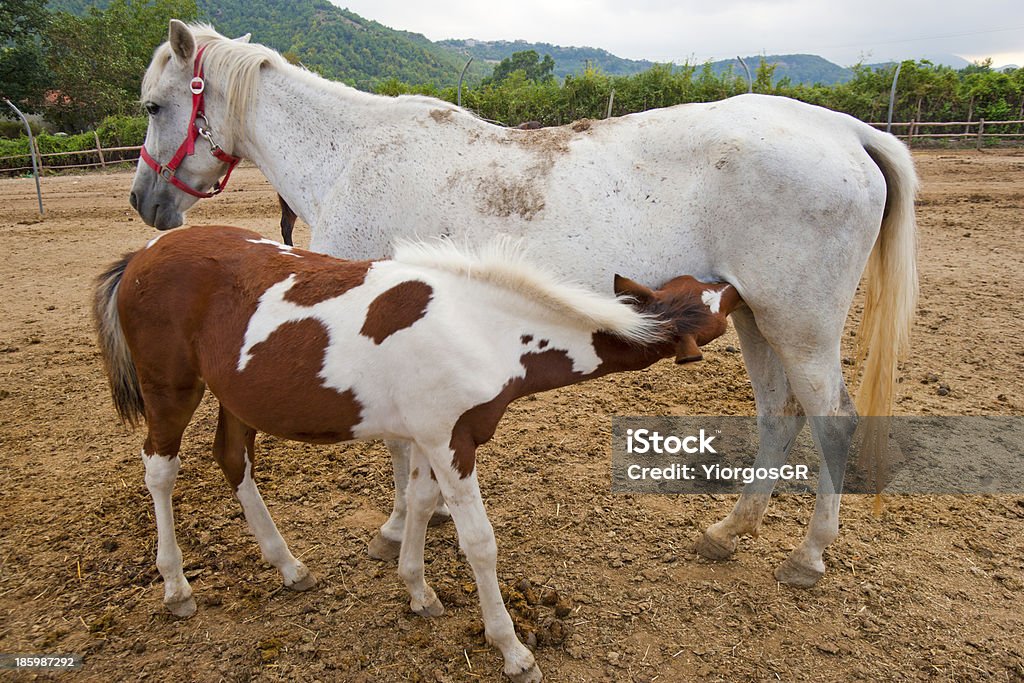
243,39
626,287
183,43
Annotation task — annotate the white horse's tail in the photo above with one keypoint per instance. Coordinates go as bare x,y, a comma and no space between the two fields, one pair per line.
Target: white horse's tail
117,358
890,294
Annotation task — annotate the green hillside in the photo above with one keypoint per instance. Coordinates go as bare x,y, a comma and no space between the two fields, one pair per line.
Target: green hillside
329,40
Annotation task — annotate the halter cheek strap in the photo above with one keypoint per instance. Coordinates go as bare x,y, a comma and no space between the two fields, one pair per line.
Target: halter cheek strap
188,147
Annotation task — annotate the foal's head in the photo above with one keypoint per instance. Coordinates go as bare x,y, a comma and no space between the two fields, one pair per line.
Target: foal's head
694,312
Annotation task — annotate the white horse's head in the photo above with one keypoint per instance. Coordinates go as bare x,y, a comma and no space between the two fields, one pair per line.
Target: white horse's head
163,189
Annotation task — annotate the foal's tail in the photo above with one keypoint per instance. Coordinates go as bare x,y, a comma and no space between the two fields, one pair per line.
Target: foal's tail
891,279
117,358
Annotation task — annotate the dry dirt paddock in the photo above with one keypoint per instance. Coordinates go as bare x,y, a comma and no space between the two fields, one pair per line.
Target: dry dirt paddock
932,590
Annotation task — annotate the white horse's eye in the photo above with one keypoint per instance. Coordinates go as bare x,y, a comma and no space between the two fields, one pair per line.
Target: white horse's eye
152,108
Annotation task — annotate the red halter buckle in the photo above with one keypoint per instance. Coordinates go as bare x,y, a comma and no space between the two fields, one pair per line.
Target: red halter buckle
187,148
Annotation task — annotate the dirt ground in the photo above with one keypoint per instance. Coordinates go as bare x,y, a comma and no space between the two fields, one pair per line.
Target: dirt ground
932,590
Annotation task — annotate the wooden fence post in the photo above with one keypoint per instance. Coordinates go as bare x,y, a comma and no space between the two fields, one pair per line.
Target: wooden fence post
99,149
981,132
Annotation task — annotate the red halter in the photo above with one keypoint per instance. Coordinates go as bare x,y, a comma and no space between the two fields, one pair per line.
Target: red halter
188,147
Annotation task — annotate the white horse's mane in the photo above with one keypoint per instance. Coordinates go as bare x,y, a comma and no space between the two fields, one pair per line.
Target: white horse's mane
502,263
236,65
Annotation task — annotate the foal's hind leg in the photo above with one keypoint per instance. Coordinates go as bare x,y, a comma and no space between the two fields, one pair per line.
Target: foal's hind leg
779,420
234,449
167,414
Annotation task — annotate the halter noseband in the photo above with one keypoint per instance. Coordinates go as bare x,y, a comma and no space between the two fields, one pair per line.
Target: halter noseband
188,147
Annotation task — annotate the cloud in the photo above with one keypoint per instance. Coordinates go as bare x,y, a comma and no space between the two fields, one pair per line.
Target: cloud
665,30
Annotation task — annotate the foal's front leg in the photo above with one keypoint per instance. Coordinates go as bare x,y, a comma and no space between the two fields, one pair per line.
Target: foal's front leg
387,544
476,538
421,495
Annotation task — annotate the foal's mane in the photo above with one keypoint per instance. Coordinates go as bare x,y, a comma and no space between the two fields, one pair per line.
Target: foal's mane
501,263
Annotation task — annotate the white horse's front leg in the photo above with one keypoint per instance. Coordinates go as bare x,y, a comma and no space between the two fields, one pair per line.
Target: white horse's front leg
422,495
161,473
476,538
387,544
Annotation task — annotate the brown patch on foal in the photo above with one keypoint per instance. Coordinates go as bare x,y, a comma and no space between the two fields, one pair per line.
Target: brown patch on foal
284,372
546,370
313,285
396,309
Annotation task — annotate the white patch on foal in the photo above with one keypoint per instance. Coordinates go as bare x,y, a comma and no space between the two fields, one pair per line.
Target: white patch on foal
154,240
283,248
712,299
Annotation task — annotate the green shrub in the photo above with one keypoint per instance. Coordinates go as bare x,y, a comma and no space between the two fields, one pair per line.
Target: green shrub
114,131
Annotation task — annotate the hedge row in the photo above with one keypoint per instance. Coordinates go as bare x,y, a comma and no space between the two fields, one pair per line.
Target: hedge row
114,131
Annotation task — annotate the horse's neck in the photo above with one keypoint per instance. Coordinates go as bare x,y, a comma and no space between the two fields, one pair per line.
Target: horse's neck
300,137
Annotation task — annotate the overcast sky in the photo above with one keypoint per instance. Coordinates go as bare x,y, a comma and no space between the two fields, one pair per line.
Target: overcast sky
844,31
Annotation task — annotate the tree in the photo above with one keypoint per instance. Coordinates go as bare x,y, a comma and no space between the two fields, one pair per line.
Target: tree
529,62
98,59
23,72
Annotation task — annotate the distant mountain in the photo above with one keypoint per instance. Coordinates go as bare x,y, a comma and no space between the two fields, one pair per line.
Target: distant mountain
568,60
952,61
808,69
573,60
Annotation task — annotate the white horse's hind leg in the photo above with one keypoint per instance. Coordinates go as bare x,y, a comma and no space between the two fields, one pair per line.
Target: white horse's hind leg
476,538
832,435
161,473
387,544
779,420
818,384
422,495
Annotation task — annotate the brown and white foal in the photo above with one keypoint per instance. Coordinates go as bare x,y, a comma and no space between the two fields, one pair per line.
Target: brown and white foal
430,347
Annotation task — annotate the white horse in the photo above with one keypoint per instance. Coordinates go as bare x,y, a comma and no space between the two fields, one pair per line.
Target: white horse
787,202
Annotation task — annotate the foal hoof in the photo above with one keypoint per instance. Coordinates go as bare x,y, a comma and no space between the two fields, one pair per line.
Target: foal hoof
797,575
304,583
183,609
381,548
439,518
711,548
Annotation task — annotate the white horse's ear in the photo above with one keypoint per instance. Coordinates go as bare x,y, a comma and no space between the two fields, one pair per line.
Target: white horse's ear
183,43
243,39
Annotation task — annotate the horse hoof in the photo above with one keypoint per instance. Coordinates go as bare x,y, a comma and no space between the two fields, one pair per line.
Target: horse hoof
530,675
439,518
183,609
797,575
712,549
302,584
433,609
381,548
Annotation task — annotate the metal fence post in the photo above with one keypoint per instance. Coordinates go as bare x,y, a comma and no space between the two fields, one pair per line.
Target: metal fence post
31,152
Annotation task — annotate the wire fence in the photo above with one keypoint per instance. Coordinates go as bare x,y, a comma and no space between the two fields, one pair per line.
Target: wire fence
953,132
